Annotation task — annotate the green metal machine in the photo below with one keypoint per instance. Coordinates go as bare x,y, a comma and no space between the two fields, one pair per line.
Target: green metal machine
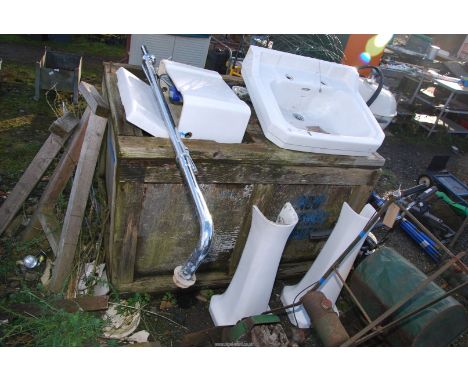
384,278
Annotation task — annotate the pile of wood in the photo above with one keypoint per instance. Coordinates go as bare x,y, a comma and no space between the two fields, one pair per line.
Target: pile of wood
82,139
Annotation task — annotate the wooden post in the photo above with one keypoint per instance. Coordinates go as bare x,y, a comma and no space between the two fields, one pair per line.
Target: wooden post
129,204
58,181
37,82
63,126
77,203
94,100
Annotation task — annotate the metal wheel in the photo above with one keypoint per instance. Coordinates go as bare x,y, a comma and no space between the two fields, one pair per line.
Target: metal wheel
425,179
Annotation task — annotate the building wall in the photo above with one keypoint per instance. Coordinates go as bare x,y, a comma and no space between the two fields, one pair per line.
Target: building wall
180,48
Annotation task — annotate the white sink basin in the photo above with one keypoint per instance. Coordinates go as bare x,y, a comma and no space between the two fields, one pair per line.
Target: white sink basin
310,105
211,110
139,103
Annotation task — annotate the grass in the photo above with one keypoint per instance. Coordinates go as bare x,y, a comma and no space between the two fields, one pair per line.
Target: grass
23,121
24,125
80,44
50,327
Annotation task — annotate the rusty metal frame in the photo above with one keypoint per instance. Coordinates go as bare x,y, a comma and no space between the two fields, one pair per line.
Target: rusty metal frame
374,325
404,300
364,334
380,330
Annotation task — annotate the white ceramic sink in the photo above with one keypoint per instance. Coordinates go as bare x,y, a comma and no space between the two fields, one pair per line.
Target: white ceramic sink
211,110
310,105
139,103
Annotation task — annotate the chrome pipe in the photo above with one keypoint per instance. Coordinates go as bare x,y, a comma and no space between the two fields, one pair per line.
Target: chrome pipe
184,275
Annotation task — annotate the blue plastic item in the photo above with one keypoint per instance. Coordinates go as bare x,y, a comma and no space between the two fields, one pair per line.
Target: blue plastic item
174,95
424,241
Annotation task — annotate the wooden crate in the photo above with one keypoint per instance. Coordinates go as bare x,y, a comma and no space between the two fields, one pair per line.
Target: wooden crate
153,226
61,71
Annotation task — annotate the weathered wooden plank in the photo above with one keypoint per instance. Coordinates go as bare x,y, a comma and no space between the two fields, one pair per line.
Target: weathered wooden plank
59,178
110,181
51,227
86,303
259,193
167,241
124,228
95,101
150,148
359,195
132,198
64,125
317,207
247,173
163,283
77,202
33,174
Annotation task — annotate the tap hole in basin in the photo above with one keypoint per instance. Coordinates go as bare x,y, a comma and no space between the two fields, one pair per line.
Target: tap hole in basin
298,116
305,89
289,77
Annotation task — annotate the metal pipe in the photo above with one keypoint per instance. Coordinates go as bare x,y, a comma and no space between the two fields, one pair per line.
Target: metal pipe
324,319
184,275
353,297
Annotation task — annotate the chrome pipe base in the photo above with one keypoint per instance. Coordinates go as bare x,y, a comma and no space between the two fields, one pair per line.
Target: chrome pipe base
179,279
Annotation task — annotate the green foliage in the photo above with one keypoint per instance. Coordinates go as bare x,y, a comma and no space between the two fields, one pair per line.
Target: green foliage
113,342
137,300
24,123
77,44
169,297
326,47
51,327
7,266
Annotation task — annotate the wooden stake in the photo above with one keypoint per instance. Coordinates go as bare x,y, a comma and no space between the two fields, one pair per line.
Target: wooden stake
96,103
61,128
77,203
56,185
